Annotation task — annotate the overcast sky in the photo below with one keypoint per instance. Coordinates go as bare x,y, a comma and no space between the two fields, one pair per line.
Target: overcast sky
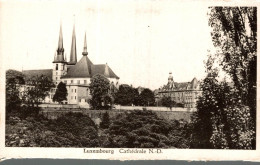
142,41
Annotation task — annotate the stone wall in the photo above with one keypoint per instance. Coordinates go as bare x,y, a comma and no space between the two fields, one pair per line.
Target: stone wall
96,115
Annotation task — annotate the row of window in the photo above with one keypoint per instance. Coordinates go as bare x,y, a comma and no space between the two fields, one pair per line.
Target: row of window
72,81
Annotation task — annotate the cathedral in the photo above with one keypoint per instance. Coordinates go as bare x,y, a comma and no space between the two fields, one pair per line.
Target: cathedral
75,74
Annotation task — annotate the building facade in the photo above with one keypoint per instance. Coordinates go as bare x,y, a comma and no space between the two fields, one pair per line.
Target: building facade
186,93
75,74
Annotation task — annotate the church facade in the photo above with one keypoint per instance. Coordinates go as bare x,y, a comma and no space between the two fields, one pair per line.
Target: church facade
186,93
75,74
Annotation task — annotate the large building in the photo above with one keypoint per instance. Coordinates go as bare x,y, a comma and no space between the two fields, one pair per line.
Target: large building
186,93
75,74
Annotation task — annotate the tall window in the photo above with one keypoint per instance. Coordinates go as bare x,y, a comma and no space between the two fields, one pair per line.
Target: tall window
65,81
71,81
57,66
62,67
71,90
78,81
75,90
75,97
85,81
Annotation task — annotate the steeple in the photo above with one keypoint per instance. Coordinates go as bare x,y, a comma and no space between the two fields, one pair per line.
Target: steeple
60,44
73,51
106,73
59,57
85,51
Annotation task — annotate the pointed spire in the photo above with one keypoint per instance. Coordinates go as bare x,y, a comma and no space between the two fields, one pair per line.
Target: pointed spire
59,57
60,44
73,51
106,73
85,51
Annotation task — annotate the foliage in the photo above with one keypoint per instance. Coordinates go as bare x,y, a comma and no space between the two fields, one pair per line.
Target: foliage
70,130
221,120
38,87
167,102
147,97
234,33
99,90
61,93
14,79
179,134
146,130
125,95
138,129
226,112
105,121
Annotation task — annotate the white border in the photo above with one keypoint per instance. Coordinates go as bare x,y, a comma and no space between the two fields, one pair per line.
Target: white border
168,154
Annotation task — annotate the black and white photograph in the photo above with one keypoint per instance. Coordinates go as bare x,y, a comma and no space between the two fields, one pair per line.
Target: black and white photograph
128,77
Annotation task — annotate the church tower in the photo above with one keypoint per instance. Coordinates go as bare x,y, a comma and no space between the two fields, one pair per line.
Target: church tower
73,51
59,63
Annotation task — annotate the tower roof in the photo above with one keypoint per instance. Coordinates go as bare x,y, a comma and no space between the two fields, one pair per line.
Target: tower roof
60,43
106,72
73,51
85,51
59,57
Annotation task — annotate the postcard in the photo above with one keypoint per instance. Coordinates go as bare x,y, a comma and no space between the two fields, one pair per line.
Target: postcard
129,80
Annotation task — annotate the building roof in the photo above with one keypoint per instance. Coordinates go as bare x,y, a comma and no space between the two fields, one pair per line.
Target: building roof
81,69
33,73
85,68
193,85
101,69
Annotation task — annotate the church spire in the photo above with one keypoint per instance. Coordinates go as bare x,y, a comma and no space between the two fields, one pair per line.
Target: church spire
73,51
59,57
85,51
60,49
106,73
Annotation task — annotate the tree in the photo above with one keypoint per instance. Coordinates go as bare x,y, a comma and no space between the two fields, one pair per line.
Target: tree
234,33
105,121
38,87
99,90
167,102
139,129
147,97
61,93
225,116
14,79
125,95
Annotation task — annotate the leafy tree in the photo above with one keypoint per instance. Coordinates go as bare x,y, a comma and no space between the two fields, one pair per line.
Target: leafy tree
147,97
105,121
234,33
139,129
99,90
14,79
38,87
167,102
61,93
68,130
226,111
125,95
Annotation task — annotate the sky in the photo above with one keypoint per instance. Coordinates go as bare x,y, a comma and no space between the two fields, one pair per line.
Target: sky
142,41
